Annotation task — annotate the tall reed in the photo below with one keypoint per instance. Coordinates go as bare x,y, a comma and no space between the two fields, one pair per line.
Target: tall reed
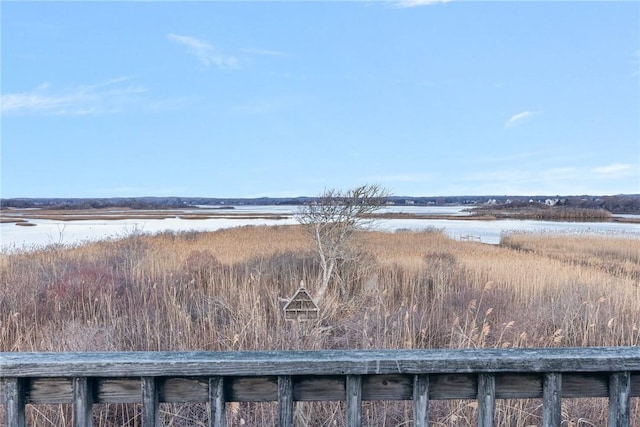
225,290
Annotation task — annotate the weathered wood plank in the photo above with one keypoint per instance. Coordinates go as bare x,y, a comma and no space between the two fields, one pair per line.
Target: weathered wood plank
285,401
421,401
82,402
635,384
51,390
217,412
486,400
585,385
552,400
183,390
442,387
323,388
252,389
387,387
619,390
14,401
318,388
333,362
354,400
150,402
518,386
118,390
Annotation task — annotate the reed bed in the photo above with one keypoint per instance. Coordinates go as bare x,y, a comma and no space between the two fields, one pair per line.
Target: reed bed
225,290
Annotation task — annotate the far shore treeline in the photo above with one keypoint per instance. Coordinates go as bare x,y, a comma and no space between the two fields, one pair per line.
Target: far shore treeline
617,204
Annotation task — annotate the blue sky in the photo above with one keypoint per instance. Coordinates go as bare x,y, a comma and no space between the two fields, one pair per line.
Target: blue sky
249,99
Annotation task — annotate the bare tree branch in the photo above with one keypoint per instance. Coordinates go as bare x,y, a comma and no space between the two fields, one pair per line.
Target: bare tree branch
333,219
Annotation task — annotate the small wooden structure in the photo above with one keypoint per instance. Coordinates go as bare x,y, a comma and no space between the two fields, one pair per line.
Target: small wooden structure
301,306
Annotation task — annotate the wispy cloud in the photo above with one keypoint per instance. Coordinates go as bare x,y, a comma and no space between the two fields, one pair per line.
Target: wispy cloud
102,98
614,170
266,52
519,118
205,52
565,180
418,3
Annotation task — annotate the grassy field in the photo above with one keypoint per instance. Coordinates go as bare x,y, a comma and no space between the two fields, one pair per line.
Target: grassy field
225,290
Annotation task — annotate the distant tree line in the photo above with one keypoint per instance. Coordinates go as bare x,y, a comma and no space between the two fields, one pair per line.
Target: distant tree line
619,204
96,203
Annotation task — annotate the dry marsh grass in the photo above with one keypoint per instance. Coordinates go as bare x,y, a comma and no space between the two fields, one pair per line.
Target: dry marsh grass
23,216
225,290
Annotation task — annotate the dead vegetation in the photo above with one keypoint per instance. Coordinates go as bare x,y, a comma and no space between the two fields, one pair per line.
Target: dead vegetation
225,290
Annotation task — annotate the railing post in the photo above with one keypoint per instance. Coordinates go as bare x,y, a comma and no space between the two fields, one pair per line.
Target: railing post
552,399
217,413
421,400
486,400
354,400
14,400
82,402
285,401
619,394
150,402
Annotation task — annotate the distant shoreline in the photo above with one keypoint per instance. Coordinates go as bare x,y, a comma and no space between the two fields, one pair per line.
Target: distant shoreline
23,217
615,204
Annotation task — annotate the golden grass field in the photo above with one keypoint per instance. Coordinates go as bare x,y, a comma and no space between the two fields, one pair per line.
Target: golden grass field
224,290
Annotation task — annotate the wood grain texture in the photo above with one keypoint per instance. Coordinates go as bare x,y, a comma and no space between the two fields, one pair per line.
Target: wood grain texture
82,402
288,376
320,388
285,401
552,400
150,402
354,400
14,400
421,400
217,403
330,362
486,400
619,391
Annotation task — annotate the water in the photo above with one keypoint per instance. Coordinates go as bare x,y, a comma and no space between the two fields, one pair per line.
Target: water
46,232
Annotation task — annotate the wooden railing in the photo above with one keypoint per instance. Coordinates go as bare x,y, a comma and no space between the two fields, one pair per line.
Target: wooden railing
352,376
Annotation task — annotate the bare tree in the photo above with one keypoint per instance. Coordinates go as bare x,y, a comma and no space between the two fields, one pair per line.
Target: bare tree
333,219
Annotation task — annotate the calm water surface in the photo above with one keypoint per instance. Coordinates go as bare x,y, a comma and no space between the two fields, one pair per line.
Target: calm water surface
46,232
